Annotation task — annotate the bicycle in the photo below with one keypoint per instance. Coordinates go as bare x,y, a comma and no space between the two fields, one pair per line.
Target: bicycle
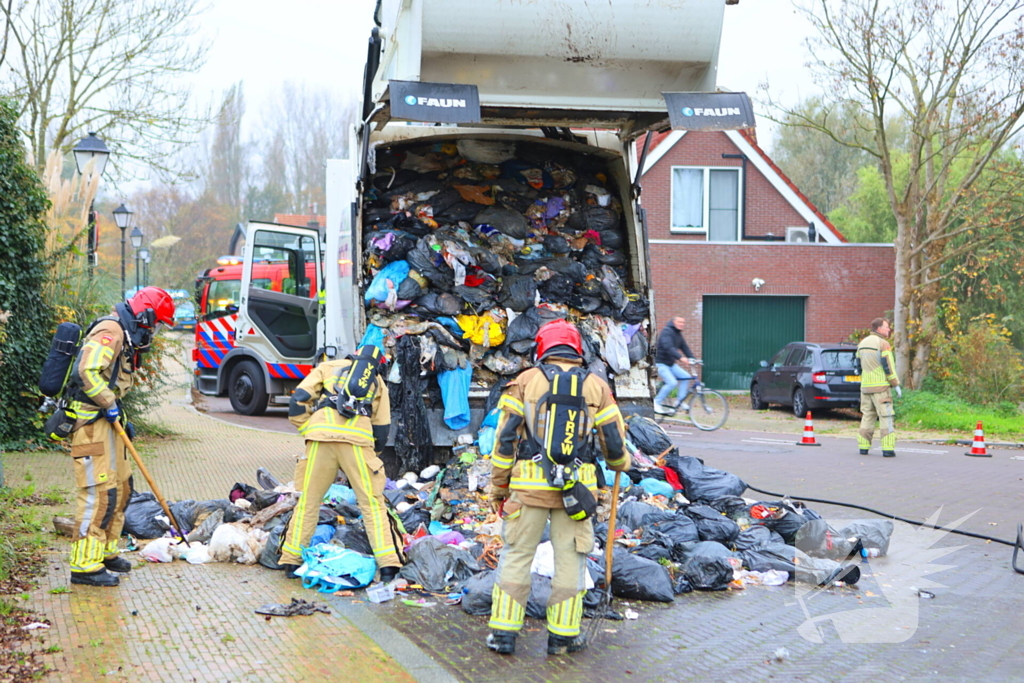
707,409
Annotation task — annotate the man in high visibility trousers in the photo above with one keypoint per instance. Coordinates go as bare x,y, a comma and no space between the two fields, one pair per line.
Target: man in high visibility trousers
877,380
523,494
348,432
101,375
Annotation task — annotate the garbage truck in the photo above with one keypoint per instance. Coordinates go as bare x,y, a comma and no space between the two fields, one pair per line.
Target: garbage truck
491,186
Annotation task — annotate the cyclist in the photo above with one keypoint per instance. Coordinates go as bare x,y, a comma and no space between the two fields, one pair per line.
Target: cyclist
672,350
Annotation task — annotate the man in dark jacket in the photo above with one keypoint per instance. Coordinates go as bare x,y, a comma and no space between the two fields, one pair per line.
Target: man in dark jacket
672,350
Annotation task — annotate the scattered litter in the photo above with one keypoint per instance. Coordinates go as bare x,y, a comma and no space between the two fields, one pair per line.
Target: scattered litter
630,614
297,607
34,626
380,592
780,654
158,550
418,603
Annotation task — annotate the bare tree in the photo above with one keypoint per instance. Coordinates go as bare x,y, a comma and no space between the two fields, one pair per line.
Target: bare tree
115,67
228,158
954,69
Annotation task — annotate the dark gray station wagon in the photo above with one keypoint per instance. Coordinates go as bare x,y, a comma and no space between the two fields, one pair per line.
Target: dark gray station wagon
807,376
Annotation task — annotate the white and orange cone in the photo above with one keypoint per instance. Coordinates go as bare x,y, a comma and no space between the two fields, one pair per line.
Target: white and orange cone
808,439
978,449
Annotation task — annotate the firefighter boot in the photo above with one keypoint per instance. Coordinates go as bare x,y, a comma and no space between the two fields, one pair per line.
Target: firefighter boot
502,642
560,645
388,574
117,564
290,571
99,578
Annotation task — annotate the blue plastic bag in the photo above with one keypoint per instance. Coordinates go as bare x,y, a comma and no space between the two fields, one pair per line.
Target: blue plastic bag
340,492
450,325
396,271
485,440
455,394
374,336
330,568
323,534
656,487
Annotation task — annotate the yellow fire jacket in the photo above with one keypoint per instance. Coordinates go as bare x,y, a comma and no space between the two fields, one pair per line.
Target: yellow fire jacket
94,366
327,424
877,365
518,404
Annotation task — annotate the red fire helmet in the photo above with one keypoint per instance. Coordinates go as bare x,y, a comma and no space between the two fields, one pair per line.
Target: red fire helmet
156,300
558,333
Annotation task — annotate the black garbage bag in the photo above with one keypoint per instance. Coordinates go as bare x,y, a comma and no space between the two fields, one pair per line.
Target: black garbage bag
278,528
632,513
349,512
801,567
460,211
540,593
757,536
872,533
184,512
648,436
204,531
786,525
707,567
732,507
612,257
522,331
612,239
679,529
413,517
476,593
485,259
427,263
233,513
556,244
507,221
637,348
439,303
818,539
680,584
409,290
478,298
409,427
558,288
353,537
654,545
597,218
601,532
702,483
444,200
635,311
655,517
144,518
435,566
569,267
240,491
637,578
518,292
713,525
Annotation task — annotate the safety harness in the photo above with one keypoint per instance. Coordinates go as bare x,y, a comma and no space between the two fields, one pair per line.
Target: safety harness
354,387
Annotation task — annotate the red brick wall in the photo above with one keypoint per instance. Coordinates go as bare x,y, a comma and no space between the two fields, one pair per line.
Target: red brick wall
846,285
767,210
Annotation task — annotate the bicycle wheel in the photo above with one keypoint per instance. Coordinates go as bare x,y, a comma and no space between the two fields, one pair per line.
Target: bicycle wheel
708,410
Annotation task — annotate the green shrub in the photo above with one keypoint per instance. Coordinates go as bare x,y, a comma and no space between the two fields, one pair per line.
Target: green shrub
980,365
923,410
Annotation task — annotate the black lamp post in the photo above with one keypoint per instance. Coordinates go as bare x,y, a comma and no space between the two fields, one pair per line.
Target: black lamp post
136,243
147,257
143,259
91,148
122,216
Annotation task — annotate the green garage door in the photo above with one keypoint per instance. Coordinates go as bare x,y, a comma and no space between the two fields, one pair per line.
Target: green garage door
741,331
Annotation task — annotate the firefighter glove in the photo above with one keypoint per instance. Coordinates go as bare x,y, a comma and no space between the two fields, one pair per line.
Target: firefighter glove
497,495
112,413
899,391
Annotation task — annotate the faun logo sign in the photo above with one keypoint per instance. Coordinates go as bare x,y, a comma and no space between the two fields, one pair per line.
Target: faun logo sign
434,102
709,111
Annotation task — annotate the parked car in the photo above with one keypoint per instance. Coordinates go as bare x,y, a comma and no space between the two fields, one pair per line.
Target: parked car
185,315
807,376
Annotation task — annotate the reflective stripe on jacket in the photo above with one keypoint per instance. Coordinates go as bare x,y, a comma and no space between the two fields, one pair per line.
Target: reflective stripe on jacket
93,367
327,424
877,364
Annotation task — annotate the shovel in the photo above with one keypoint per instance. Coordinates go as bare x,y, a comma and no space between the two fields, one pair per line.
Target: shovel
609,552
149,480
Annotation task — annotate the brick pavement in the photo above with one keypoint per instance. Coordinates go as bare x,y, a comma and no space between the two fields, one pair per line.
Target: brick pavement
970,631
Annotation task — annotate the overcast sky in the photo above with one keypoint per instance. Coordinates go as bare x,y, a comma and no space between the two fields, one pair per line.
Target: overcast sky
323,42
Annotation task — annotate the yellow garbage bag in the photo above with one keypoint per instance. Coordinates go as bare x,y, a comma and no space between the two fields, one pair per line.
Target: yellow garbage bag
484,330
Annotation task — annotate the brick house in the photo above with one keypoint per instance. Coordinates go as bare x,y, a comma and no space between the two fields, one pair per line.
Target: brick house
732,250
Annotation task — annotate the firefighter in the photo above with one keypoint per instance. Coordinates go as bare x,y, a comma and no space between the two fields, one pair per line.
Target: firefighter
877,380
100,377
348,431
525,496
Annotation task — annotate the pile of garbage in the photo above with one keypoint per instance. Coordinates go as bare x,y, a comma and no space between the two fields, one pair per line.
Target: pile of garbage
469,248
681,526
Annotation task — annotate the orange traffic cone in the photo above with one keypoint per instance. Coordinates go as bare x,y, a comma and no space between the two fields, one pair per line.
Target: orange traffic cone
978,450
808,439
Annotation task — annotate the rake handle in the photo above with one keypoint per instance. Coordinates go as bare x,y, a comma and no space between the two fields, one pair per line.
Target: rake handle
609,544
149,480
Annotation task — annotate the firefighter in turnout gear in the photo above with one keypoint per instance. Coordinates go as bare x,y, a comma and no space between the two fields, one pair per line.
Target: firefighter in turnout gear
877,381
343,411
551,409
100,377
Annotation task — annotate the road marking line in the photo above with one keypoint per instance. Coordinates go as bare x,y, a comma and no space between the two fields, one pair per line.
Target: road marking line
922,450
758,440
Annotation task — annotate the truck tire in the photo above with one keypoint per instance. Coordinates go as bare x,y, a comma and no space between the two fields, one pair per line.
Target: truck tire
247,389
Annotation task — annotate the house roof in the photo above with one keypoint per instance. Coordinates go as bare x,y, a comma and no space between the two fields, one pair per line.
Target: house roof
298,220
661,143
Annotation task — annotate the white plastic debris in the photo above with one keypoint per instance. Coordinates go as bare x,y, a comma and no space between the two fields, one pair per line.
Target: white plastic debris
402,507
242,503
780,654
34,626
430,472
410,477
630,614
158,550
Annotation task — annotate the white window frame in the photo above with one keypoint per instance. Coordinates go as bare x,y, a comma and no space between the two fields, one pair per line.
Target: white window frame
705,218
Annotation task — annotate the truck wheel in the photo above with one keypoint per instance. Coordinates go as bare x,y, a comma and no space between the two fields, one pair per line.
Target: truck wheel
247,389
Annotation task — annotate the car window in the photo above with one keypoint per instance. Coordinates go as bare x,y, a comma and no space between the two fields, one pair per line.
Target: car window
796,357
780,357
837,360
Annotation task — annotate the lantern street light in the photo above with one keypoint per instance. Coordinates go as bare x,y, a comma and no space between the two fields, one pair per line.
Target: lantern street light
91,148
147,257
136,238
141,260
122,217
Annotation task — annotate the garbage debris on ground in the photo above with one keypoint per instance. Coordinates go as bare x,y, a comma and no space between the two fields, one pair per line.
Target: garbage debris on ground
297,607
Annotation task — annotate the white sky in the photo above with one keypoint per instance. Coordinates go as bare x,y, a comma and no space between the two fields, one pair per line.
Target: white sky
323,42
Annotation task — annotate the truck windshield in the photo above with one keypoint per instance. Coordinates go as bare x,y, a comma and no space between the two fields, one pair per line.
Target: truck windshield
222,293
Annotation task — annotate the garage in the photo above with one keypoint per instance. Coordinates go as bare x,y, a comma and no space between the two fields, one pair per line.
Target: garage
740,331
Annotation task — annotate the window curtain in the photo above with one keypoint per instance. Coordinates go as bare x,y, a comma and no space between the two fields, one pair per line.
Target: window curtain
687,198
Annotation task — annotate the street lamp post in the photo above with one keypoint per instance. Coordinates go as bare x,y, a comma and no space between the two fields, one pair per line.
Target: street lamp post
136,244
144,258
91,148
122,216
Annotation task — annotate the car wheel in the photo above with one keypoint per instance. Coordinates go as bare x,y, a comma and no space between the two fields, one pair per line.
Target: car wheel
799,403
756,402
247,389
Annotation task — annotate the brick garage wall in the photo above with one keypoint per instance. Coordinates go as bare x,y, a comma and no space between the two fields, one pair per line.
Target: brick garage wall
846,285
767,210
